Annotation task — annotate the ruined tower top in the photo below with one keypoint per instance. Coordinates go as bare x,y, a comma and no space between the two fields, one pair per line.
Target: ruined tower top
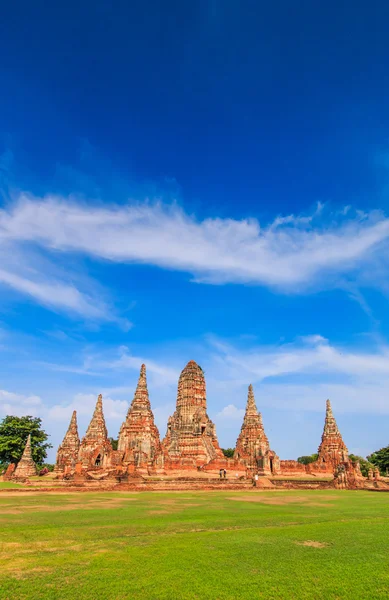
191,393
138,433
26,466
71,439
141,399
68,450
332,449
97,429
252,426
330,426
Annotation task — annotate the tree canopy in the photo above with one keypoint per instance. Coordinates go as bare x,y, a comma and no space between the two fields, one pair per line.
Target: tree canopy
363,463
380,459
306,460
14,432
114,443
228,452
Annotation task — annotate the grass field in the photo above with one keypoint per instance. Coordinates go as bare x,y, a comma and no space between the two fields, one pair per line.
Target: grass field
198,545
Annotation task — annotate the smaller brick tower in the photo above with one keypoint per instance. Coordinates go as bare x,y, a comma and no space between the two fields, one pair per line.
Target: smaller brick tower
67,453
26,466
332,450
95,448
139,440
252,446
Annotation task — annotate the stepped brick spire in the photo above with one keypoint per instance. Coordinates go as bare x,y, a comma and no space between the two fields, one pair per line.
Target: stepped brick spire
95,446
191,437
68,451
139,436
252,446
332,449
26,466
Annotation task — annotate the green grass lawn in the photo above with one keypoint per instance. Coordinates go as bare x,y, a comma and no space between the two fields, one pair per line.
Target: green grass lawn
204,545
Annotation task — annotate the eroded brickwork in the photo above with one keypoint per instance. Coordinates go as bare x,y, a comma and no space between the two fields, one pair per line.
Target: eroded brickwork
95,448
190,443
252,446
67,454
332,450
190,439
139,440
26,467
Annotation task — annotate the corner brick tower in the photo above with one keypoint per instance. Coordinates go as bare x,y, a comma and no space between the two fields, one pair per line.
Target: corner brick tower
252,446
26,466
332,450
67,453
191,437
95,447
139,437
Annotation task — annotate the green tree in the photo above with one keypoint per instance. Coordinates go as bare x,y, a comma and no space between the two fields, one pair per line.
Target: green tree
114,443
14,432
306,460
228,452
380,459
363,463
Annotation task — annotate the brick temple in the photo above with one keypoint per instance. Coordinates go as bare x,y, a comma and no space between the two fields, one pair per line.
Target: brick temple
190,443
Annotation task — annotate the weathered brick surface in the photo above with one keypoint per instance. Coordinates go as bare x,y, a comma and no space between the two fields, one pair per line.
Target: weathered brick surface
26,466
190,439
190,445
252,446
67,454
139,442
95,448
332,450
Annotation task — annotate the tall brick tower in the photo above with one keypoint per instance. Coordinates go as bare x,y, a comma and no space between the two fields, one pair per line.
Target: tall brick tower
190,439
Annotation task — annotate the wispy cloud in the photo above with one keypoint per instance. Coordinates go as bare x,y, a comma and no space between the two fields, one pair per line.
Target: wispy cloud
290,254
19,404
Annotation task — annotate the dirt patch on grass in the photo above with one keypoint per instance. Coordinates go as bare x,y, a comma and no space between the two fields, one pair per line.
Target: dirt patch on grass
313,544
27,572
278,500
91,505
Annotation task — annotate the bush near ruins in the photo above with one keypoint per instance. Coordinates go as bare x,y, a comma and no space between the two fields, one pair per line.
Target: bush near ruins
228,452
306,460
114,443
363,463
14,432
380,459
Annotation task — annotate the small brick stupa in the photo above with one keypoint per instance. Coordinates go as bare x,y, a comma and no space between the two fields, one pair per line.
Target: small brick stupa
67,454
26,466
191,437
252,446
332,450
95,447
139,440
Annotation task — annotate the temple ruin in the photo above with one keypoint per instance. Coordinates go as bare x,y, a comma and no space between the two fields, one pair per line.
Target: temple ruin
190,444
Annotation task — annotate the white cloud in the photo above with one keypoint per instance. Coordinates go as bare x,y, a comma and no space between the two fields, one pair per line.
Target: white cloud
231,412
54,294
19,404
290,254
84,404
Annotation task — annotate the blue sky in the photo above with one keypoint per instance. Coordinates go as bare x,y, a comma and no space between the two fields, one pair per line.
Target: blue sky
202,181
